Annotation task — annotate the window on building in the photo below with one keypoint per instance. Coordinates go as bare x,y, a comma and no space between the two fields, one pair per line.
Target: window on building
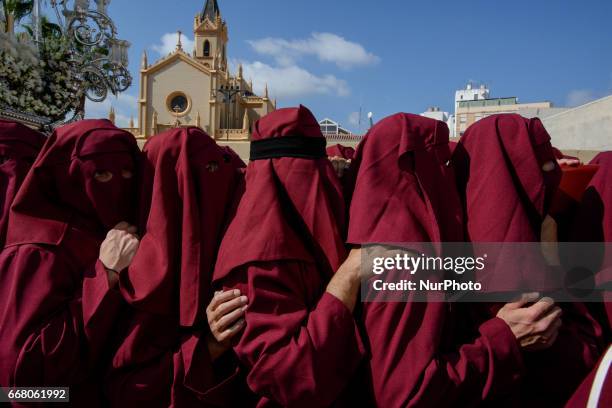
329,129
177,103
463,119
206,48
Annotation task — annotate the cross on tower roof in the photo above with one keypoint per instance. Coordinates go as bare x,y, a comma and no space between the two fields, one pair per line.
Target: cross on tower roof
179,45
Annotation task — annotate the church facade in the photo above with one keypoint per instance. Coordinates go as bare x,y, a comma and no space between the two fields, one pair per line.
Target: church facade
195,88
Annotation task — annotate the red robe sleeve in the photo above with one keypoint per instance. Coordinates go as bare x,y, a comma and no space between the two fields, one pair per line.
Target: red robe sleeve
409,367
300,348
156,365
55,322
199,380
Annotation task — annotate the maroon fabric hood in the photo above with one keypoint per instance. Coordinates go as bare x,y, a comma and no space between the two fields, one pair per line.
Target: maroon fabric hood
189,185
338,150
405,189
304,191
499,169
60,189
506,196
19,146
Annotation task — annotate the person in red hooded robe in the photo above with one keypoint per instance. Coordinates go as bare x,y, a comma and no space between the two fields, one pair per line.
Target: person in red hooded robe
340,157
421,352
19,146
57,271
593,223
507,175
167,355
338,150
284,249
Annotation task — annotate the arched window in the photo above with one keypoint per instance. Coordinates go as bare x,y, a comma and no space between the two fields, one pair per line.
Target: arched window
206,48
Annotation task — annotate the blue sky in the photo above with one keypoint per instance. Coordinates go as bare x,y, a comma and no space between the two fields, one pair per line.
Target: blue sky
387,56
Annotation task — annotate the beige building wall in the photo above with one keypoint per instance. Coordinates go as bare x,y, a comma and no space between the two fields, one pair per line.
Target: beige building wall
171,79
466,116
585,128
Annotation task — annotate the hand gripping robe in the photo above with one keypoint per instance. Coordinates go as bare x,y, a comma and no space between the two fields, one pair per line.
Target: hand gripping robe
189,186
506,196
19,146
56,308
593,223
405,194
301,345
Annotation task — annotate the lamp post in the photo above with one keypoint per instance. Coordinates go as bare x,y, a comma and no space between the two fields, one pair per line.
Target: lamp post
228,92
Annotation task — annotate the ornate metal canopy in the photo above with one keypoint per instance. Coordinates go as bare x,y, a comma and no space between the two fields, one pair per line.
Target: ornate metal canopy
98,59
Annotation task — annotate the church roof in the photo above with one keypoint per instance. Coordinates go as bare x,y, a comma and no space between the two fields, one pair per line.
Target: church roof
210,10
176,55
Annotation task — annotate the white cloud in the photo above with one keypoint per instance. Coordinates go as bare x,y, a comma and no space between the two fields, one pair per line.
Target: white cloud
354,118
580,97
292,81
125,107
327,47
168,43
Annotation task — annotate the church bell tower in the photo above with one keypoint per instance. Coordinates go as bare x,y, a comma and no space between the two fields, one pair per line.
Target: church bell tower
210,32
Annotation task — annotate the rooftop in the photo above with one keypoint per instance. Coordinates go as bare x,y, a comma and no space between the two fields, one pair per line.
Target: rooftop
513,100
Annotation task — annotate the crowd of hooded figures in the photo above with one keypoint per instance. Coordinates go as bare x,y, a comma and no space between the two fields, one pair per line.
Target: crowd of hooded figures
177,275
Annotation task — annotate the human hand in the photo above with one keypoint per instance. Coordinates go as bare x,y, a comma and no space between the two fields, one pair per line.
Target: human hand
535,327
225,315
340,165
118,249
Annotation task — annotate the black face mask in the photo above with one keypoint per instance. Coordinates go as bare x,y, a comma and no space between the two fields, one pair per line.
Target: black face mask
113,200
108,203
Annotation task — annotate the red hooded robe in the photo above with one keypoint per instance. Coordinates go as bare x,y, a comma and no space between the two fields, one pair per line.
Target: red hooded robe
189,184
593,223
56,307
405,193
506,196
19,146
301,345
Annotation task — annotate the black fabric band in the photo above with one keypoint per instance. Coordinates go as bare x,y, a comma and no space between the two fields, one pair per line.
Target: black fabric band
288,146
